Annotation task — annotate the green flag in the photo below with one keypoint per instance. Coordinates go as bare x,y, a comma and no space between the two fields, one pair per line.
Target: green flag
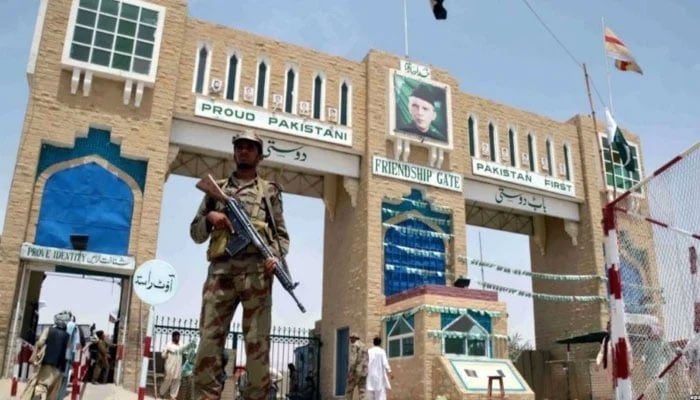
620,144
623,148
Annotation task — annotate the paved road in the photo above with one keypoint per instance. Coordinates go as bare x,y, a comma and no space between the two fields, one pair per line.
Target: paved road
92,392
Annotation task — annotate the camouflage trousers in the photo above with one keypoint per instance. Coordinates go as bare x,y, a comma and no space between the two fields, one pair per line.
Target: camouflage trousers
359,382
221,296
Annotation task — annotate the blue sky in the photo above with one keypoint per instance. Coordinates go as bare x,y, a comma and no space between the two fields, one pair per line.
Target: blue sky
496,49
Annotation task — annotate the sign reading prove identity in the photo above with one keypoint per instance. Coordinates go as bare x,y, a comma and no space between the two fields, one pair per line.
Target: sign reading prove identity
520,177
277,122
76,258
416,173
155,282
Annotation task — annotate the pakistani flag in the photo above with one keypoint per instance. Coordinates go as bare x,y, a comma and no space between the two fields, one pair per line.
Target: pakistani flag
617,139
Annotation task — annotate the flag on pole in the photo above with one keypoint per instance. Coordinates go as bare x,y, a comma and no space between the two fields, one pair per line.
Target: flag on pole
617,139
439,10
624,61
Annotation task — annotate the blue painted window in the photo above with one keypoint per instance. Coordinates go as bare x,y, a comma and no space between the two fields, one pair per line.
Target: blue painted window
90,200
342,343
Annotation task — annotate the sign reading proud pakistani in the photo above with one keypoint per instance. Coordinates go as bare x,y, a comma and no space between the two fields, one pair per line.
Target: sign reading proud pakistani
520,177
277,122
416,173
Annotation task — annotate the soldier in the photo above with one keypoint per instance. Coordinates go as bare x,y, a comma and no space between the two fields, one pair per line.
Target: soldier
357,368
102,360
244,278
421,105
49,359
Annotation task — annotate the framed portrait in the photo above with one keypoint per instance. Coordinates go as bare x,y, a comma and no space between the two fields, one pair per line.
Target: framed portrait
420,110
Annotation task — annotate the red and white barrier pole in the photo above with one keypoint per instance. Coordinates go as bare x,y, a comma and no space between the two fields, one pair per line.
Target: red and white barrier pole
146,354
696,285
618,329
77,355
15,376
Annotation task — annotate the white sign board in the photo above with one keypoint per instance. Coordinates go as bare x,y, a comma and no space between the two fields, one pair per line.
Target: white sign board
522,177
155,282
517,199
417,173
276,122
100,262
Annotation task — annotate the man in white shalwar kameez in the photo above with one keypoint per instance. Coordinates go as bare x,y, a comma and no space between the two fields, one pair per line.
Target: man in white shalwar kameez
172,354
377,370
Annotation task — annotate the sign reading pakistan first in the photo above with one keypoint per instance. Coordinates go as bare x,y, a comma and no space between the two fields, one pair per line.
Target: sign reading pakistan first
277,122
525,178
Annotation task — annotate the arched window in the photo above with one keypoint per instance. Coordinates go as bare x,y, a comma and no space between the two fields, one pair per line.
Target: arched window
531,155
201,69
472,136
232,77
345,100
290,91
511,146
318,100
492,142
550,163
567,163
261,87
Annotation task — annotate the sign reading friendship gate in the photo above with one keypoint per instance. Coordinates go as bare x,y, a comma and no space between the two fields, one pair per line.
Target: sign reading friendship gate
278,122
417,173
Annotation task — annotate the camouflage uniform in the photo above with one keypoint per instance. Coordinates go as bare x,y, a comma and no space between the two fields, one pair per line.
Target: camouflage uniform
357,370
234,280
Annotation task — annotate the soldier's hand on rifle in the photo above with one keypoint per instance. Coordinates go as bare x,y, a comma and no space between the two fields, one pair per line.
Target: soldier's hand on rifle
219,220
270,265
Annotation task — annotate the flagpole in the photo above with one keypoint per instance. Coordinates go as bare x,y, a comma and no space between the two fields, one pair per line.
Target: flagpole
595,128
607,69
405,29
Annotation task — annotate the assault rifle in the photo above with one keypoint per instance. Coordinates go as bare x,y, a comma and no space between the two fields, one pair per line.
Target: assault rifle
247,234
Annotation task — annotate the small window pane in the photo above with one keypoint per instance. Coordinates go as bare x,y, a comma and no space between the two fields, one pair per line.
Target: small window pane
127,28
129,11
109,7
147,33
477,347
121,61
125,45
100,57
82,35
104,40
149,16
454,346
395,348
144,49
407,344
106,23
141,66
80,53
91,4
86,18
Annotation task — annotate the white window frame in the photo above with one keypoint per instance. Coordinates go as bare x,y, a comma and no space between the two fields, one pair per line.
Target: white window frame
611,188
207,67
487,339
550,152
267,81
322,114
477,149
496,150
516,148
400,338
340,101
109,72
535,156
295,89
237,78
